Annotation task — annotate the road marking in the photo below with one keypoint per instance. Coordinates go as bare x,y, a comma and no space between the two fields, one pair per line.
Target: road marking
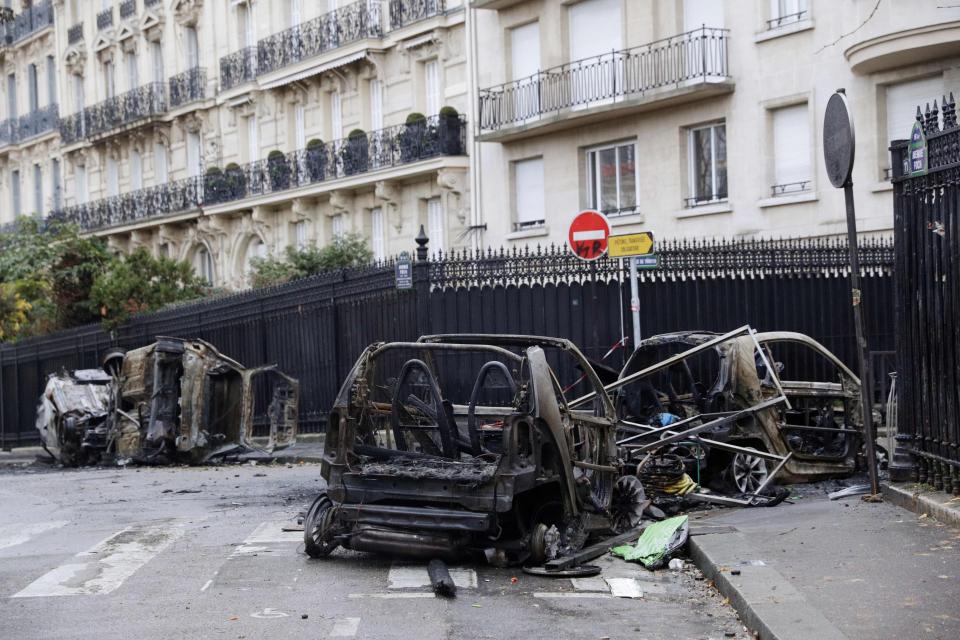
391,596
568,594
624,588
406,576
269,613
345,628
594,583
13,534
267,533
206,585
106,565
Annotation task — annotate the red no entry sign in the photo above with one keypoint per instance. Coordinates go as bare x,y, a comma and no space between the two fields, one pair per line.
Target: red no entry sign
588,235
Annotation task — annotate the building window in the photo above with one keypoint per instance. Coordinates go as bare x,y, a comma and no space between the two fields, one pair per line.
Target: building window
192,47
255,249
300,234
51,80
203,265
707,153
109,80
15,192
253,144
337,226
783,12
194,157
33,88
245,26
612,178
902,102
294,7
376,104
377,241
136,170
113,177
12,95
80,187
37,189
791,150
78,93
431,72
156,58
159,163
56,184
528,189
436,229
299,126
133,74
336,116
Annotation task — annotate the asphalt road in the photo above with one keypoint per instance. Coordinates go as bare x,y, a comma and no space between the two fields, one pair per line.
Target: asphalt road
129,553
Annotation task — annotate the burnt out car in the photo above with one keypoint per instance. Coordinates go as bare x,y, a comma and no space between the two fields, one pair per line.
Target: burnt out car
172,401
819,426
73,415
465,444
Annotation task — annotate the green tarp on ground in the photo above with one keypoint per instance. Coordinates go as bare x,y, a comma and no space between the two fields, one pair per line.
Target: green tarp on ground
657,542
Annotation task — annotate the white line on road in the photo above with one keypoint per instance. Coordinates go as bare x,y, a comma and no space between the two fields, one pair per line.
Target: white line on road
569,594
345,628
391,596
105,566
13,534
206,585
624,588
265,534
406,576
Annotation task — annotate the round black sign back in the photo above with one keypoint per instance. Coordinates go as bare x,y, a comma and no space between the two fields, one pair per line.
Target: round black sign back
839,141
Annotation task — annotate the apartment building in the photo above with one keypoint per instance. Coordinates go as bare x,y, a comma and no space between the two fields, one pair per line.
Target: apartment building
696,117
30,174
218,131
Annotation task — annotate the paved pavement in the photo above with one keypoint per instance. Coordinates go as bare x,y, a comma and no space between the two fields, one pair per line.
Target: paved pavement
133,553
831,569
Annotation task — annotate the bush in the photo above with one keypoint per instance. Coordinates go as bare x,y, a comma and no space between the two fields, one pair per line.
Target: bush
315,144
348,250
449,112
416,118
356,134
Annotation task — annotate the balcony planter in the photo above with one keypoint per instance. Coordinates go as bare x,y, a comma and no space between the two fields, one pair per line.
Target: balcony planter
316,160
411,139
356,153
234,182
450,132
213,186
279,170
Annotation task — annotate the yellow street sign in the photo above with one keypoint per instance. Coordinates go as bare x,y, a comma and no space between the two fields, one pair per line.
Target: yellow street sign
630,244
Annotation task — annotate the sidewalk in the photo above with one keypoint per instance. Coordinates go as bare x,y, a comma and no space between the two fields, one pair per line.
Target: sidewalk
835,569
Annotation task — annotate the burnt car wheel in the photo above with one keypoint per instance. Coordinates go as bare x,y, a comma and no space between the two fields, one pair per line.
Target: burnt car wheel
318,527
627,504
746,472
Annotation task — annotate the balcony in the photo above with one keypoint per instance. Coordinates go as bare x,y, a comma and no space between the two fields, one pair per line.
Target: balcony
119,111
188,87
135,206
105,19
150,3
376,150
404,12
16,130
329,31
683,68
238,68
75,33
128,8
27,23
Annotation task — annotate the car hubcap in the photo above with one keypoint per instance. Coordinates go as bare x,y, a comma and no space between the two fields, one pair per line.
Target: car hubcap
749,472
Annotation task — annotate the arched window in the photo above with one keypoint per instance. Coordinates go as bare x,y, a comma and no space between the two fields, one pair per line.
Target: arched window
203,265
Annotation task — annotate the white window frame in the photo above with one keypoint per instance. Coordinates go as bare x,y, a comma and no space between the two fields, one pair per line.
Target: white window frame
532,223
692,166
432,89
253,141
109,78
136,170
377,239
191,47
299,126
38,189
156,60
133,72
436,225
203,265
300,234
194,154
785,12
160,168
80,185
376,104
16,193
56,185
336,116
338,226
594,179
113,177
779,186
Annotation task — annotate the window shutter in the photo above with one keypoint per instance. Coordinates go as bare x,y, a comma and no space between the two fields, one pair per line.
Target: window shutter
435,226
595,28
80,180
156,53
133,75
253,144
376,234
529,191
136,170
194,160
791,144
51,80
57,185
336,116
376,104
432,73
159,163
699,13
903,100
300,125
525,50
37,189
113,177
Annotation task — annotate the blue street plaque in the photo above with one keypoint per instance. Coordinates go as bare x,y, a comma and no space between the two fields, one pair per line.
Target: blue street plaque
404,271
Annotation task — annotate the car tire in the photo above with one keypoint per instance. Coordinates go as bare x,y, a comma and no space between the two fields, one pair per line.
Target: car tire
317,528
745,472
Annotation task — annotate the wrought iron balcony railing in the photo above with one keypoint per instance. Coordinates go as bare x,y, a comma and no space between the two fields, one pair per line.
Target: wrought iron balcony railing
238,67
150,3
135,206
27,126
142,102
75,33
700,54
375,150
358,20
28,22
791,18
105,19
790,188
404,12
189,86
127,8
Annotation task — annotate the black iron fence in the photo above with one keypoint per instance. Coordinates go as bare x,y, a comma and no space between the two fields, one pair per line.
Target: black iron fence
238,67
14,130
113,113
700,54
404,12
189,86
26,23
105,19
315,328
75,33
128,8
927,305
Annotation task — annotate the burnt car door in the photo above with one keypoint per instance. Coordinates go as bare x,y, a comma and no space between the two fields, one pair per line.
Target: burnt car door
270,403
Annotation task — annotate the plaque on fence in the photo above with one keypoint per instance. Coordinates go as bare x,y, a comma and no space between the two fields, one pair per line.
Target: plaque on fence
404,271
918,151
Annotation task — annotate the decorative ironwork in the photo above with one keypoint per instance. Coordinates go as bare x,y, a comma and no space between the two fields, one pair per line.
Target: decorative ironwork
358,20
14,130
375,150
679,259
790,18
188,86
127,8
404,12
238,67
75,33
790,188
29,21
696,56
124,109
105,19
151,3
143,204
699,201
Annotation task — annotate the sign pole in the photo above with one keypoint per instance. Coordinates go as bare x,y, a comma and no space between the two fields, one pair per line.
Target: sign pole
635,301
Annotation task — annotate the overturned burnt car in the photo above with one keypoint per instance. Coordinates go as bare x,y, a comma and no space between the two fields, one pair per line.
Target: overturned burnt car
679,383
464,444
172,401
